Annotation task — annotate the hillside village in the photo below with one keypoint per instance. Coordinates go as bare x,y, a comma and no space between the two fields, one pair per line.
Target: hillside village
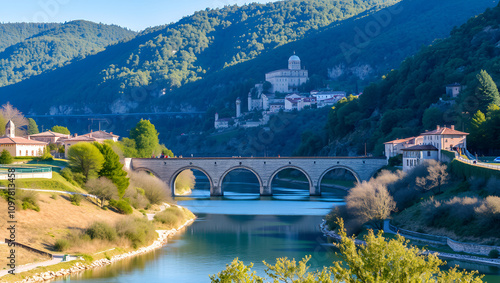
279,92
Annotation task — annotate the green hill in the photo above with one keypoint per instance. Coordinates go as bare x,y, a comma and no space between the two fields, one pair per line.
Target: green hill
13,33
36,48
412,99
215,55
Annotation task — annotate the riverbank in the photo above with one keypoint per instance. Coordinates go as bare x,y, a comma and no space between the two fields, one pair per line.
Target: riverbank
78,266
467,258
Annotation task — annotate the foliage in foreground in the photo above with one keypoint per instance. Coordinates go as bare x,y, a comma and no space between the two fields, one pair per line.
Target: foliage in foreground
377,261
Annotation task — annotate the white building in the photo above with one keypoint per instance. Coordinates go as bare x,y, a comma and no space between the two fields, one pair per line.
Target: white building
453,90
297,102
416,155
395,147
221,123
19,146
288,80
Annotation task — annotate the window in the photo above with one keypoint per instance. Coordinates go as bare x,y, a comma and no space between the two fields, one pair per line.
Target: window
407,162
428,153
26,152
32,153
20,153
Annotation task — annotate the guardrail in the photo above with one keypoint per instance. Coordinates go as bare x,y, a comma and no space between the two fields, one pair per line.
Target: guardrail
480,164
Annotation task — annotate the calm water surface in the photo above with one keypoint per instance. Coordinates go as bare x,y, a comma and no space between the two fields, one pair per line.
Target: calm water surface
242,225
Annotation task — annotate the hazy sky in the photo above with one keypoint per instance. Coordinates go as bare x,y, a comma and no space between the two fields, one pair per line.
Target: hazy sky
133,14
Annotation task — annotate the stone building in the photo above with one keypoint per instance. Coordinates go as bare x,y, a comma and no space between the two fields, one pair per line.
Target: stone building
288,80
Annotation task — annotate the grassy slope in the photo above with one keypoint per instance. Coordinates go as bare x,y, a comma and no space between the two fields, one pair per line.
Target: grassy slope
412,219
57,183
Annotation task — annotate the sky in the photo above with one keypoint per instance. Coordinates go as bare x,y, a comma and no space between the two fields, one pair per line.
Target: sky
133,14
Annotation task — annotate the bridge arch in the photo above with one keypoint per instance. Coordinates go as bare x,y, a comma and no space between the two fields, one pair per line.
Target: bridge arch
309,179
356,176
171,182
244,168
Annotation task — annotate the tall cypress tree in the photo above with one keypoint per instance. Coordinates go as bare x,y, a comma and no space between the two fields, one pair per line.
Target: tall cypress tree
486,91
112,168
32,127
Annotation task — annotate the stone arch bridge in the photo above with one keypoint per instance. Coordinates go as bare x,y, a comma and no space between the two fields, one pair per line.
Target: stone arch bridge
264,168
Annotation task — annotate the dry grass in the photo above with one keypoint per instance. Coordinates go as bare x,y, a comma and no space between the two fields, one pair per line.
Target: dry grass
56,219
22,256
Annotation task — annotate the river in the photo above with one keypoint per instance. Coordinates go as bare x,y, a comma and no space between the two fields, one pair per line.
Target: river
239,225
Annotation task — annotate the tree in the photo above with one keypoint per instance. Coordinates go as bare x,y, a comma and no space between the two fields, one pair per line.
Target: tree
85,158
379,260
61,130
146,138
112,168
102,188
371,201
5,157
486,91
391,261
9,112
32,127
128,147
477,133
437,176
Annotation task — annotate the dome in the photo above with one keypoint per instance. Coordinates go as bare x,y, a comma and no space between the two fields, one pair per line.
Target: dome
294,58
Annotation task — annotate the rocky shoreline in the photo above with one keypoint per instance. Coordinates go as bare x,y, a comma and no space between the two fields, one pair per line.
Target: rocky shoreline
467,258
79,267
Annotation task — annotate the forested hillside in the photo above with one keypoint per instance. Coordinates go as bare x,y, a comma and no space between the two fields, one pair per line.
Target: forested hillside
407,101
232,48
12,33
173,55
31,49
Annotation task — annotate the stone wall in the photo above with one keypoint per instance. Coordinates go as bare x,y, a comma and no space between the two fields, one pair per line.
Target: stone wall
471,248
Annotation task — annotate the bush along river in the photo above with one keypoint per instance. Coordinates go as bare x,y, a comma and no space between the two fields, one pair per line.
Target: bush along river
239,225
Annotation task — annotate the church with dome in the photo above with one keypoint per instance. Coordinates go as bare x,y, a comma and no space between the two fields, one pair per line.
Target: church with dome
288,80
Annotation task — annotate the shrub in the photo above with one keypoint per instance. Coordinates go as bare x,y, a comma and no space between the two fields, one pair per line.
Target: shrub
102,188
61,245
173,216
494,254
53,196
122,206
138,231
5,157
28,199
493,186
76,199
101,230
136,197
67,174
155,190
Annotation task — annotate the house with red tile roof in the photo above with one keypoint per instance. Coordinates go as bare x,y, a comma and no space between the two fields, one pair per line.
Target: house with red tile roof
19,146
395,147
49,137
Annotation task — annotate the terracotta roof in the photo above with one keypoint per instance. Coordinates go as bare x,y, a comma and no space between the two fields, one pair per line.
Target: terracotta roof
20,140
50,134
420,147
81,138
100,133
445,131
399,141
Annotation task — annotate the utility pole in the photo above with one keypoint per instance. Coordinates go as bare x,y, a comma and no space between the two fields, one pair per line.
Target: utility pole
365,149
